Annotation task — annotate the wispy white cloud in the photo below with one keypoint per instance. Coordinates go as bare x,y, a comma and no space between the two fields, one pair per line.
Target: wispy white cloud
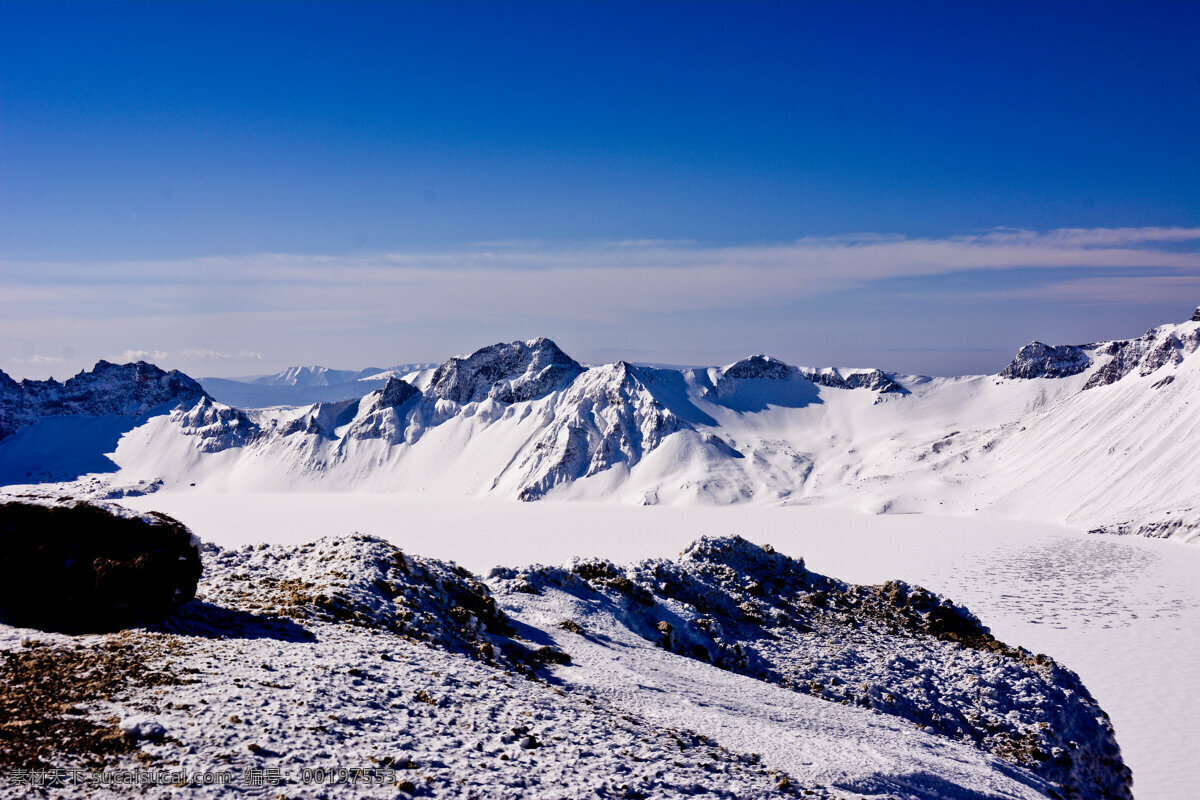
144,355
861,257
1115,290
682,296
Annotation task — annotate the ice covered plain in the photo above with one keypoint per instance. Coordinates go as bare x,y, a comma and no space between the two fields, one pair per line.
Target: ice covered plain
979,488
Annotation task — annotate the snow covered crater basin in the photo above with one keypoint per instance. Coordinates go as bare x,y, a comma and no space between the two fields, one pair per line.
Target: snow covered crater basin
1124,613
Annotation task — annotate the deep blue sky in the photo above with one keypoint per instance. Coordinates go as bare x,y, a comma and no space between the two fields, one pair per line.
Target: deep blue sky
151,130
164,131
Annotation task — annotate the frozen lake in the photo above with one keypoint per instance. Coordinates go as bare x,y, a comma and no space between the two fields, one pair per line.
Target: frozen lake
1122,612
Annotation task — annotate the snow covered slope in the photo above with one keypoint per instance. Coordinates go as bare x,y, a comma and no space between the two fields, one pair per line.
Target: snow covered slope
56,431
1098,436
347,652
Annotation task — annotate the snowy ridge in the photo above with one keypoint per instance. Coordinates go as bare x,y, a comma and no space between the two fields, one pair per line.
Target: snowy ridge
347,651
1098,436
896,649
127,390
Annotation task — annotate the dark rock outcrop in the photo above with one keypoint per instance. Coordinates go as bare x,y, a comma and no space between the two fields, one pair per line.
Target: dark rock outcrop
509,373
1196,315
1038,360
397,392
872,379
759,366
126,389
82,568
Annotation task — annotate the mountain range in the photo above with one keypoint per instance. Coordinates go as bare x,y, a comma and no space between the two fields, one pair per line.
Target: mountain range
1099,436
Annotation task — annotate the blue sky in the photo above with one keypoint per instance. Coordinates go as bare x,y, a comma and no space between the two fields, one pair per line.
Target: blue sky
377,157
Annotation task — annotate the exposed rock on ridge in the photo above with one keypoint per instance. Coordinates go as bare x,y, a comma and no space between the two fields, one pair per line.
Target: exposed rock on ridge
894,648
508,373
1037,360
382,413
1157,348
216,427
770,368
759,366
872,379
123,389
363,580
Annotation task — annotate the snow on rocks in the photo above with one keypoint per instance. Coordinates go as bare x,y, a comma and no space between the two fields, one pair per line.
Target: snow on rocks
142,728
508,373
1157,348
896,649
1037,360
346,659
381,414
608,416
871,379
759,366
524,421
368,687
216,427
122,389
365,581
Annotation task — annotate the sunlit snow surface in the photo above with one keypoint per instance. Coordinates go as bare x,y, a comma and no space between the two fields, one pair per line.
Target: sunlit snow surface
1123,612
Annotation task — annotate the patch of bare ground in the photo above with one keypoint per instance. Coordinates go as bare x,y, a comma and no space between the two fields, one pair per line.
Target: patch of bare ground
45,692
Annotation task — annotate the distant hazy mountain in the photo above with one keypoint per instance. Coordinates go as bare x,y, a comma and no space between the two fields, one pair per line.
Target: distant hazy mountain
303,385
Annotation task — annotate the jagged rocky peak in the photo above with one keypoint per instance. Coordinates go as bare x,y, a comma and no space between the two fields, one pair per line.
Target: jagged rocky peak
508,373
216,426
396,392
382,416
1038,360
610,416
122,389
759,366
1160,347
1196,315
873,379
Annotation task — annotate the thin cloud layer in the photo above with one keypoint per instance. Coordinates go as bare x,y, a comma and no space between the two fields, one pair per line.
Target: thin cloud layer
224,312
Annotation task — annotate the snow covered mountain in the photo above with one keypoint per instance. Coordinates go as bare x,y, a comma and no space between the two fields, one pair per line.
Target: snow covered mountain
314,376
1100,435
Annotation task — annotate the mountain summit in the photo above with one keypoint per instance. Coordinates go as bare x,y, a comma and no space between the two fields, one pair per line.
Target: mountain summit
509,373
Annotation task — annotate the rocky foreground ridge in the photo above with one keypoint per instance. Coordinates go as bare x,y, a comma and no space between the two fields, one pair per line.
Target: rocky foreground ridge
540,682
